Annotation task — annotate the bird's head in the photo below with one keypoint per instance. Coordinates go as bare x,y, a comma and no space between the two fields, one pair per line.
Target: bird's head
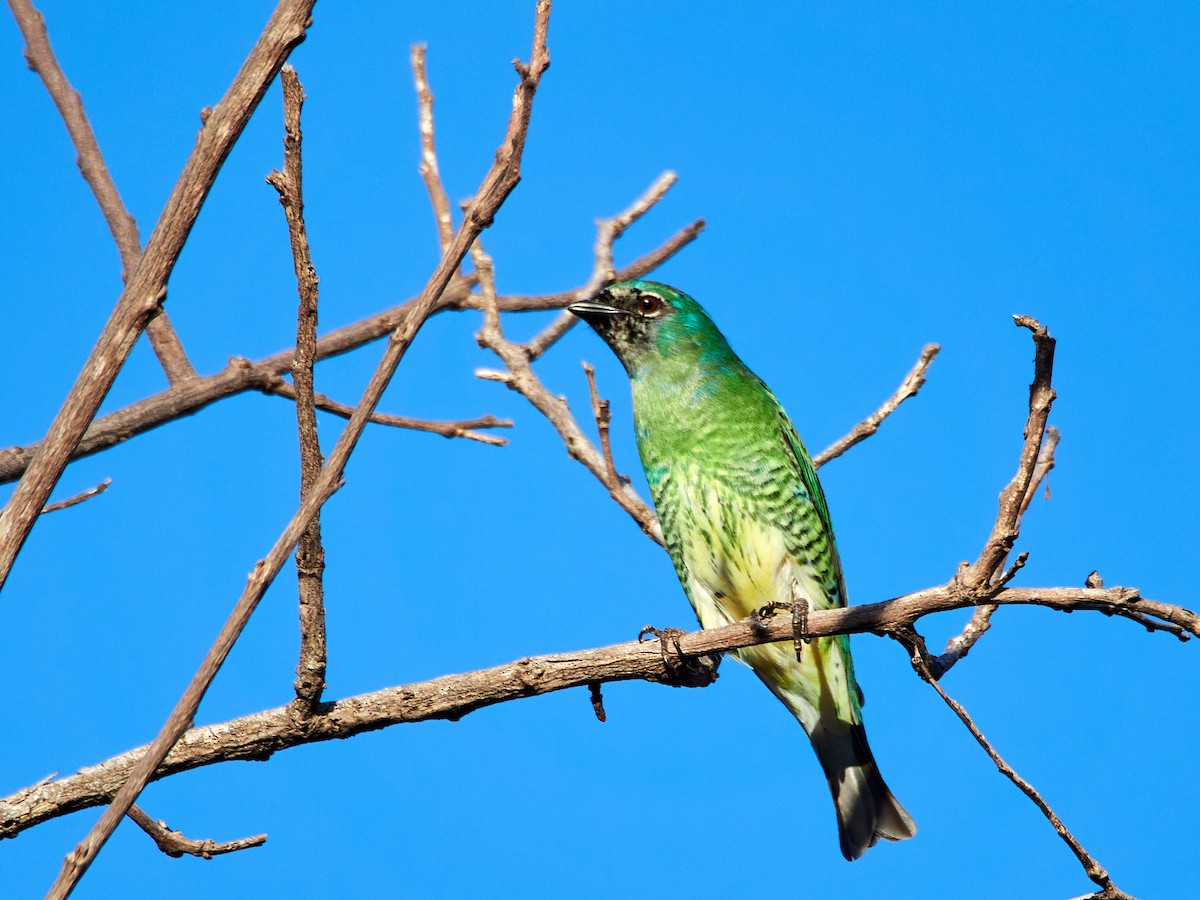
645,320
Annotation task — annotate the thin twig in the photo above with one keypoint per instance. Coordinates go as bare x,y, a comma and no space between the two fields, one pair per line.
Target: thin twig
1045,463
551,334
40,56
487,284
310,552
462,428
41,59
1152,625
603,415
908,388
78,498
603,270
1096,872
499,182
140,300
608,231
438,197
176,845
977,577
451,697
635,269
597,697
960,645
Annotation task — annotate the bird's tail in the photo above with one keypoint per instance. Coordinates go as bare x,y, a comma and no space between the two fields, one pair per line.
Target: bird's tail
866,809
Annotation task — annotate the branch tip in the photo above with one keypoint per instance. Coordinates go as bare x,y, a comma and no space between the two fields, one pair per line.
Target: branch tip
909,387
175,845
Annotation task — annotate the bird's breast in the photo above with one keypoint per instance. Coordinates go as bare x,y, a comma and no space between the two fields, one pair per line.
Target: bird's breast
731,559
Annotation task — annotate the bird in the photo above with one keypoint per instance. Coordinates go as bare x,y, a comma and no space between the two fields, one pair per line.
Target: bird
746,525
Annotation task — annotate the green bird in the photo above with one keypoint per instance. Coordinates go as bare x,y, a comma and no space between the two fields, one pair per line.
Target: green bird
746,525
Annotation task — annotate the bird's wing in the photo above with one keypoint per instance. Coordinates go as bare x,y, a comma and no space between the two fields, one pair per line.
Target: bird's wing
808,477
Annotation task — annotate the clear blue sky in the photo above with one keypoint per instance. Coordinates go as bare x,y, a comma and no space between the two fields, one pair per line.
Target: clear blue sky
874,178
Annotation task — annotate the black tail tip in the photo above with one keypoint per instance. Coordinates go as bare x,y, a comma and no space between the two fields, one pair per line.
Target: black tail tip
866,809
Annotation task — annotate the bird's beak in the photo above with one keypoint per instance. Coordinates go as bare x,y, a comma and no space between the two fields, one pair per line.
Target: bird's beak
590,310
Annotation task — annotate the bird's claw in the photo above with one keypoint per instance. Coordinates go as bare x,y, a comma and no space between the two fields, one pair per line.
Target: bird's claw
765,612
664,635
799,608
683,670
649,629
800,635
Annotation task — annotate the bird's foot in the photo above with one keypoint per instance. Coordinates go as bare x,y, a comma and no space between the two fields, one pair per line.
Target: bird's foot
683,670
665,636
799,608
765,612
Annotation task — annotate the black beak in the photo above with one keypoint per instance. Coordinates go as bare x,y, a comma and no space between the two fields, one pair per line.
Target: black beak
595,310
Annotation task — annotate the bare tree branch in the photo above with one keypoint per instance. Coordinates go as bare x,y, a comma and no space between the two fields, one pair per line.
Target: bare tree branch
1045,463
908,388
609,231
603,271
987,578
1096,872
40,56
463,428
1037,459
603,416
176,845
78,498
636,269
258,736
242,375
981,620
310,553
519,376
429,161
975,578
146,287
499,182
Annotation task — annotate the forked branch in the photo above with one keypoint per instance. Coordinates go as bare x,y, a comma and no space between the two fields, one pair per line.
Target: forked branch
40,56
977,577
310,552
497,184
242,375
258,736
1096,872
147,284
960,645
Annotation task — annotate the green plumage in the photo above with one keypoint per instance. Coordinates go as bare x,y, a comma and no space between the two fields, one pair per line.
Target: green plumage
745,522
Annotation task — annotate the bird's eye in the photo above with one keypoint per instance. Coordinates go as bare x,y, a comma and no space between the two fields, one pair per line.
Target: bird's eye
649,305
